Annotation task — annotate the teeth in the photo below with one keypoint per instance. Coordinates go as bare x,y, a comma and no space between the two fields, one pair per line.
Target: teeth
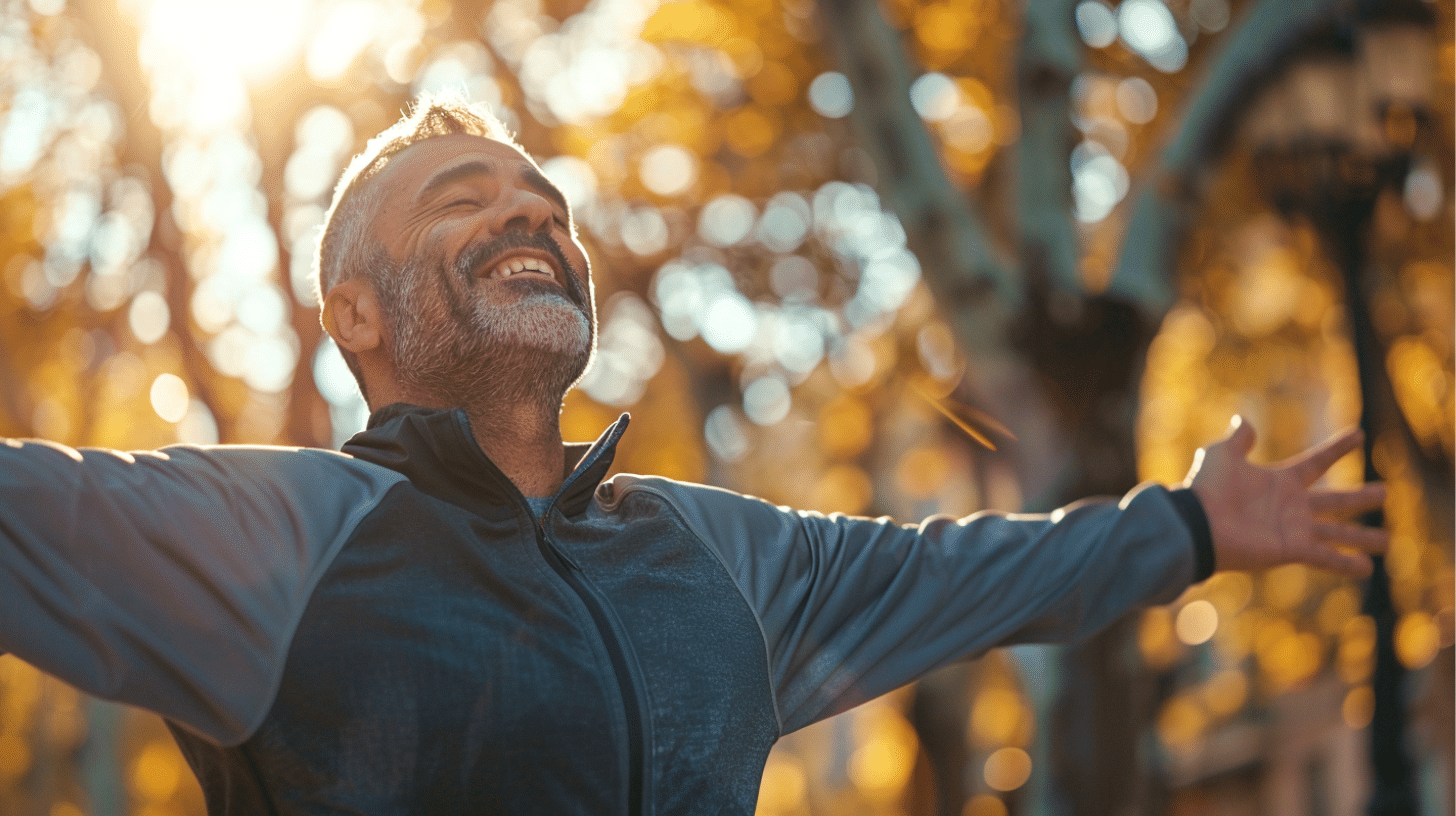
510,267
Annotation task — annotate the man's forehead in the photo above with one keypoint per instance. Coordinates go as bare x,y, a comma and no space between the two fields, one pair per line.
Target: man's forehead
420,159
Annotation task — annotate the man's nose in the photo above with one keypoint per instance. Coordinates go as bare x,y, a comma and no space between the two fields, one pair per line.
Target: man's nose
523,210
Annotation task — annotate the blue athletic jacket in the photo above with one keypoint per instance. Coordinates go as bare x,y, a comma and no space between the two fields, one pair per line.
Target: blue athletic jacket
391,630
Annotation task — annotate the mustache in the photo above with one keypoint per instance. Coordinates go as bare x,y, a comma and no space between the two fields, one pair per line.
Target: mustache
476,254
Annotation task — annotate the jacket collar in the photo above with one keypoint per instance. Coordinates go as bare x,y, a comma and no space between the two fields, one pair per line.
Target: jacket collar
436,450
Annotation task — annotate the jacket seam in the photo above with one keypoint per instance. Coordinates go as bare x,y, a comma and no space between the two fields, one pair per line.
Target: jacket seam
346,534
733,578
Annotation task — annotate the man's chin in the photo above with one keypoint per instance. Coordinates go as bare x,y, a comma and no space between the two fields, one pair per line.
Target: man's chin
525,287
545,321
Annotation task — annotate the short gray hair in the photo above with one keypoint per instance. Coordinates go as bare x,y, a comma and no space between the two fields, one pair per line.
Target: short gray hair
346,247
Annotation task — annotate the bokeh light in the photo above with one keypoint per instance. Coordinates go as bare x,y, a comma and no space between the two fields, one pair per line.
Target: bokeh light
1007,769
169,397
1196,623
1097,23
831,96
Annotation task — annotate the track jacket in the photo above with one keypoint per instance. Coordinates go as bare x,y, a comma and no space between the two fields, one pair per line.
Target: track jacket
391,630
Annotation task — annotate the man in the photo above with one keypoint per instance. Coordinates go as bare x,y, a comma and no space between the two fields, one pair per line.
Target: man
460,616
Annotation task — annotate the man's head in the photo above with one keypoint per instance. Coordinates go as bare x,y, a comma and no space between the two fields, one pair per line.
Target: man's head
449,272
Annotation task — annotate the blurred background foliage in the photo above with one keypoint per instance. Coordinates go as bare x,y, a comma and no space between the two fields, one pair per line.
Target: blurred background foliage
900,258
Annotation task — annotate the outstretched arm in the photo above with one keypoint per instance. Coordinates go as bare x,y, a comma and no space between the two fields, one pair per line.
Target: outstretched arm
1267,516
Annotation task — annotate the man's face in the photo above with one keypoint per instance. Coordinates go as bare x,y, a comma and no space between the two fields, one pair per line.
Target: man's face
490,289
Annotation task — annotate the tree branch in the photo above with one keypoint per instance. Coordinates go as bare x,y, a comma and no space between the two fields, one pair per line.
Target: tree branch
1049,57
1167,194
977,291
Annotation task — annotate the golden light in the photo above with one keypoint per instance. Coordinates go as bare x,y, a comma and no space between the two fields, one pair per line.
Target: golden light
66,721
984,804
254,37
148,317
339,41
668,169
1341,604
1181,723
1226,692
773,85
1287,656
845,427
946,27
995,716
1355,657
1285,587
784,784
881,767
750,131
844,489
1359,707
1230,592
922,471
1417,639
1156,640
1007,769
66,809
691,20
1421,386
14,757
1196,623
1270,291
157,772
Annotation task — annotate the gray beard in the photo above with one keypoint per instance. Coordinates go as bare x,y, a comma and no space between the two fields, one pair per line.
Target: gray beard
470,352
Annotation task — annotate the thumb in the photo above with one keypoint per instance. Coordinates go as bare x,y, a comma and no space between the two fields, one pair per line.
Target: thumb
1241,436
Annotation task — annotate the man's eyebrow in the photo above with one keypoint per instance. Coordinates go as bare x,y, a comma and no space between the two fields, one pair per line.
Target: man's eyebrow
445,178
533,177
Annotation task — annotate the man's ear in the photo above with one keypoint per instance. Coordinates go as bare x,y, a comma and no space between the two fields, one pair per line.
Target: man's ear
351,315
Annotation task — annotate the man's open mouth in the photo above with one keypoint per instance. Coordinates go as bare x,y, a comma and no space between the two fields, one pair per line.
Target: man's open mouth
522,256
524,266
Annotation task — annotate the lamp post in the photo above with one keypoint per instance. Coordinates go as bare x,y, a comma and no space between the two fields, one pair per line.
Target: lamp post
1332,130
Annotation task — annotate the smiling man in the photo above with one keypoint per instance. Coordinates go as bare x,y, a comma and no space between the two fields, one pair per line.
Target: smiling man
466,287
460,615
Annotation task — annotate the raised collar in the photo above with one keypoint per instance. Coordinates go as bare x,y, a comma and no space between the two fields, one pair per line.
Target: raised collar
436,450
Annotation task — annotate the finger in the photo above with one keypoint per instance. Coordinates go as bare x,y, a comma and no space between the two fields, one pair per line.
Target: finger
1353,565
1312,464
1367,539
1241,435
1365,497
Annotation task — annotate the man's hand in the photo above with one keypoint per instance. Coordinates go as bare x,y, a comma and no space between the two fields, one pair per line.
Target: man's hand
1264,517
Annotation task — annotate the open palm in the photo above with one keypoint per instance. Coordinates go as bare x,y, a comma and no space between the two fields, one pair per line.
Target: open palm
1267,516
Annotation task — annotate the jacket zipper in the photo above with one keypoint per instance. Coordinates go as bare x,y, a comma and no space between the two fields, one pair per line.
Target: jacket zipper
592,598
596,604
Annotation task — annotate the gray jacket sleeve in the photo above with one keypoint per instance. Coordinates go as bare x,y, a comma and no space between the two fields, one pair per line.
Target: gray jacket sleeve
851,608
171,579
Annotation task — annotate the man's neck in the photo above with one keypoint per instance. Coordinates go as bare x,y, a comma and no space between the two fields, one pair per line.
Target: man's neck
524,441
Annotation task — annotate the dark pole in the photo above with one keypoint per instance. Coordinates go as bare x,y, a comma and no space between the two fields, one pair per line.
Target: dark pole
1346,187
1394,780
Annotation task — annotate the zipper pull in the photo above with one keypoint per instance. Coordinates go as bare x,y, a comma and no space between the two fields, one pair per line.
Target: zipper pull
555,550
